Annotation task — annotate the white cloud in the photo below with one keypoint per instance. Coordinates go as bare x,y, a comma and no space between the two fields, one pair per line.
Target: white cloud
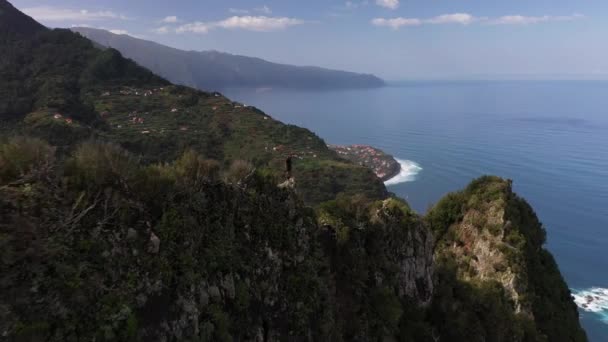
466,19
170,19
396,23
518,20
119,31
455,18
528,20
47,13
161,30
114,31
390,4
250,23
195,27
125,32
261,23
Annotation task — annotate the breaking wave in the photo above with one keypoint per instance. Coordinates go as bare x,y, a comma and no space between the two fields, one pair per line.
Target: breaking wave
593,300
409,170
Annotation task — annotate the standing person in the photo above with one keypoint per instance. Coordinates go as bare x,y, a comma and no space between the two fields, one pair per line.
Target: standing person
288,167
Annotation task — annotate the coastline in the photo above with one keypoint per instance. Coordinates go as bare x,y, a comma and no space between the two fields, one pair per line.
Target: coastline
396,170
407,172
388,168
593,300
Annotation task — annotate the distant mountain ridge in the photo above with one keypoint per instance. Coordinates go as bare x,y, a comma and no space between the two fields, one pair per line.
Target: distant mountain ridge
213,70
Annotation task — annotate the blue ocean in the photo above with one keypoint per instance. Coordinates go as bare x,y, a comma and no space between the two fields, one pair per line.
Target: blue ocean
550,137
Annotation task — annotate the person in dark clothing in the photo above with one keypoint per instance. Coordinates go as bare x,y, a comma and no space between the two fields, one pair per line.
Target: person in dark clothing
288,167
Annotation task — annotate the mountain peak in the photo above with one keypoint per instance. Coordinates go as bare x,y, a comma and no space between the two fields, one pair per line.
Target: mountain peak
14,21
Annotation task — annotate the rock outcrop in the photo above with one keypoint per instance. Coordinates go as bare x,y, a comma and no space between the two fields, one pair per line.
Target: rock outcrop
491,241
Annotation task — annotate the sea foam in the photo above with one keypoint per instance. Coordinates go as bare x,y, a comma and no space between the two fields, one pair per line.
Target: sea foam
408,172
593,300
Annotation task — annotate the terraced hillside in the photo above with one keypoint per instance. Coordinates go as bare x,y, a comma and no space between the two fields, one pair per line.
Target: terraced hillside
76,92
160,123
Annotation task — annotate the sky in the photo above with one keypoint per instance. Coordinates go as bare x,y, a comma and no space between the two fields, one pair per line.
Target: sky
394,39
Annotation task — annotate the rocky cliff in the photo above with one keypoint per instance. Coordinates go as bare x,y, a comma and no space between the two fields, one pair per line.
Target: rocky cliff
98,246
135,210
489,240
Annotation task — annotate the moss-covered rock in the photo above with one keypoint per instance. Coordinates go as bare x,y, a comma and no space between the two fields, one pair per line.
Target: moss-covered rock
381,264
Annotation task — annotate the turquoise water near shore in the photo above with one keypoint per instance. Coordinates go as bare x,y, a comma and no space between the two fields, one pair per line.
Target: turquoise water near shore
551,138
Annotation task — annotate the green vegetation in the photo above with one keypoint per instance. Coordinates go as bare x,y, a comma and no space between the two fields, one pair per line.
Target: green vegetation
476,310
98,245
538,293
380,258
60,68
79,258
554,312
452,207
75,92
20,156
133,209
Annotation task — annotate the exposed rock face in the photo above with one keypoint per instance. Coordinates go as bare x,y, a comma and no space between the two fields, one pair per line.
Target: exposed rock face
381,255
480,248
490,246
410,248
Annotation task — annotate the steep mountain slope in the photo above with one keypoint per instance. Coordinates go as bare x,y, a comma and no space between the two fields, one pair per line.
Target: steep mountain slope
15,22
140,211
491,240
98,246
40,68
56,85
212,70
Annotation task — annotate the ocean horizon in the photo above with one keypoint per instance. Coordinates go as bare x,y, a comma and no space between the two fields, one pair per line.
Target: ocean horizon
549,137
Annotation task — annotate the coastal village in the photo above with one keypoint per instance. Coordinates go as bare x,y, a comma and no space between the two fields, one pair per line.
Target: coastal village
383,165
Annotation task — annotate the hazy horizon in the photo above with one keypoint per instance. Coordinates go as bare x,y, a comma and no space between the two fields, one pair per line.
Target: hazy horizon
393,39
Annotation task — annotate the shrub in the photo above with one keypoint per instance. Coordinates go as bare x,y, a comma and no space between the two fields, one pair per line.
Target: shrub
101,164
398,207
238,170
387,306
449,210
192,169
20,157
263,181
